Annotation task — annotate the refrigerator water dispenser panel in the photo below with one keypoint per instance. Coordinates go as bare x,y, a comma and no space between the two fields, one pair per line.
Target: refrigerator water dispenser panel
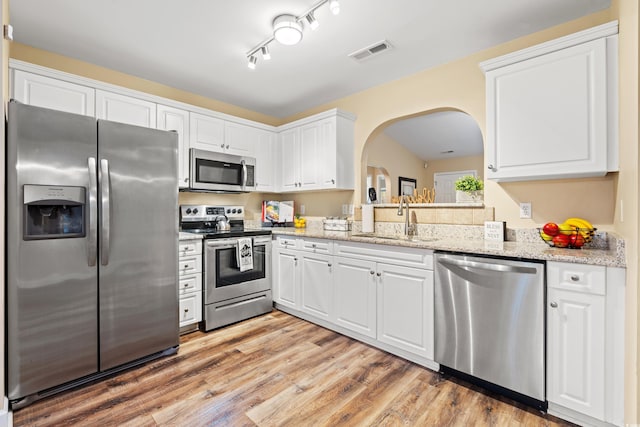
53,212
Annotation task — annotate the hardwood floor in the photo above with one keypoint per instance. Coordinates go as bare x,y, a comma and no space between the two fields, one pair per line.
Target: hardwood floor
277,370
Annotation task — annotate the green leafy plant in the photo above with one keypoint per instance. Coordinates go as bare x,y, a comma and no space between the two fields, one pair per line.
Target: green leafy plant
469,183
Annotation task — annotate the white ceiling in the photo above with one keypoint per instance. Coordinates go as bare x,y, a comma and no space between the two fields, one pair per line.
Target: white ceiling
441,135
200,46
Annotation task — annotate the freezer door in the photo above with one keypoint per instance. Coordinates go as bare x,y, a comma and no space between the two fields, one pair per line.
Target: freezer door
138,247
51,280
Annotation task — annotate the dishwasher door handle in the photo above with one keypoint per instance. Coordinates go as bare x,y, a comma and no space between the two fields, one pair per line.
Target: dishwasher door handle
504,268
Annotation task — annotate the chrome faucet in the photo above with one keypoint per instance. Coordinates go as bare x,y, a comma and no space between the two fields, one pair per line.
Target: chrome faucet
407,227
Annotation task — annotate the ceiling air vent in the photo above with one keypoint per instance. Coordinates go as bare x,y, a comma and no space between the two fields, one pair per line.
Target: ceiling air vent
369,51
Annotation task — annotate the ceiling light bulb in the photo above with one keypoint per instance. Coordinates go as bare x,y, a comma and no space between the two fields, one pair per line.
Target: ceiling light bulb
252,62
334,6
313,22
265,53
287,30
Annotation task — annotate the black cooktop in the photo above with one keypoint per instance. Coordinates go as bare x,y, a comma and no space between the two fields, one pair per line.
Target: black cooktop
214,234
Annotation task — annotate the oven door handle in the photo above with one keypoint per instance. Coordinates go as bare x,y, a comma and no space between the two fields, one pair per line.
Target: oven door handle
225,245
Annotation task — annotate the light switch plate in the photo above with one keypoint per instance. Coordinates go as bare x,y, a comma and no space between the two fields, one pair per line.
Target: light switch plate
525,210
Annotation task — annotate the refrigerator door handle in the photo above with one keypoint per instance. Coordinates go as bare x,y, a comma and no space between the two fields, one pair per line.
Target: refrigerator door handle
105,201
92,243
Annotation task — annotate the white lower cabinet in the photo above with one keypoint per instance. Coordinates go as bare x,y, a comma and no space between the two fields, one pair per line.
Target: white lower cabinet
405,308
355,296
190,282
316,284
385,304
585,356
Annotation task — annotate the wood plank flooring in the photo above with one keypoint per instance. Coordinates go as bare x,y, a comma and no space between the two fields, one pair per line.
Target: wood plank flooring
277,370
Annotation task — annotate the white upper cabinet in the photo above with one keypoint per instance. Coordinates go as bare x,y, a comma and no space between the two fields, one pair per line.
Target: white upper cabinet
170,118
316,153
266,161
240,139
47,92
206,133
552,109
125,109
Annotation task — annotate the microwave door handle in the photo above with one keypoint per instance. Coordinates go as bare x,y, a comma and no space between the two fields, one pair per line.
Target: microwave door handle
105,201
244,174
92,242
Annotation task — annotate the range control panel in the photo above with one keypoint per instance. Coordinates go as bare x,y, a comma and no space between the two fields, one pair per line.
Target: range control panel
190,213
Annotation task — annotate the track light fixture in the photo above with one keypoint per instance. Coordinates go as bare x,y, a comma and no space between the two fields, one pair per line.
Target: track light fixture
252,62
287,30
313,22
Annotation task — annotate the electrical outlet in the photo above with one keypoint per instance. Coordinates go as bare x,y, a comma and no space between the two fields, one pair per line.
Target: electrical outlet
350,210
301,209
525,210
345,209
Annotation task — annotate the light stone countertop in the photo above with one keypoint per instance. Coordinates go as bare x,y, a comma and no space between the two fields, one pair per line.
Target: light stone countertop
613,257
189,236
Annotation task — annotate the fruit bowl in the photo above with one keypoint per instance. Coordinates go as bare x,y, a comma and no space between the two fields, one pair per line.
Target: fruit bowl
576,238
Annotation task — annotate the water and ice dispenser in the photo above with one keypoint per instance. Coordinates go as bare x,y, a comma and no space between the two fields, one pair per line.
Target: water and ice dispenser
54,212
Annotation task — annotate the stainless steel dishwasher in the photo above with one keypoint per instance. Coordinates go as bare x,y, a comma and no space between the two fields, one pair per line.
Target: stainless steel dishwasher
489,319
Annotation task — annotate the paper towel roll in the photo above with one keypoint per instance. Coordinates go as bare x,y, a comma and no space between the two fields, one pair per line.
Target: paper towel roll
367,219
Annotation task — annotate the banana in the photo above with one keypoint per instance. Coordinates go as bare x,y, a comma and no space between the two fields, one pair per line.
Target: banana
583,222
585,228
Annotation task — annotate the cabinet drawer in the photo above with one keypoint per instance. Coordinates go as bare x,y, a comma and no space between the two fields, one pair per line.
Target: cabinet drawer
320,246
190,265
189,247
189,284
577,277
190,308
288,242
407,257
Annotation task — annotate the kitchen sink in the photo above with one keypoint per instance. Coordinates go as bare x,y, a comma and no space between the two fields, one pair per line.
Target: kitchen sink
395,237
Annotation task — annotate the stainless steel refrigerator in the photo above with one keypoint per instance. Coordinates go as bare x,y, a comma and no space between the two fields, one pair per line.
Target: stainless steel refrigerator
91,248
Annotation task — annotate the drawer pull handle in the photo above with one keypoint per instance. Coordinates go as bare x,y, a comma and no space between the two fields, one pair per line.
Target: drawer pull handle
329,265
186,310
378,274
554,305
186,285
575,278
371,272
313,246
186,266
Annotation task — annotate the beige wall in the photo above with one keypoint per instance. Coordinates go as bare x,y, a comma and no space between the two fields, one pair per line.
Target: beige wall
460,85
456,164
386,152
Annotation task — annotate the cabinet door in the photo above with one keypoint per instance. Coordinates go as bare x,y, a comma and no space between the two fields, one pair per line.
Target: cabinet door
405,308
125,109
170,118
575,351
240,139
266,162
33,89
190,308
290,157
316,285
285,278
547,116
355,295
327,154
206,132
310,156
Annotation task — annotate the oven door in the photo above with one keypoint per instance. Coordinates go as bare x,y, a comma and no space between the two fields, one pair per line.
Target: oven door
223,278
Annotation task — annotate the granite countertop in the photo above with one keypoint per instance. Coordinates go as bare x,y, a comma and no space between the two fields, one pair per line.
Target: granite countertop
189,236
613,257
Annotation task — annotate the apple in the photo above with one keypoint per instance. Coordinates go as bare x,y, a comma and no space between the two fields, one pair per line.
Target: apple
550,229
561,240
576,240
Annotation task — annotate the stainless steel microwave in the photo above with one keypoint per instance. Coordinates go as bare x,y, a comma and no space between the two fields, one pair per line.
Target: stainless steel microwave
211,171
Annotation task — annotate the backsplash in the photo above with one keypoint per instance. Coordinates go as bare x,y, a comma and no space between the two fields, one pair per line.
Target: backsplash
446,213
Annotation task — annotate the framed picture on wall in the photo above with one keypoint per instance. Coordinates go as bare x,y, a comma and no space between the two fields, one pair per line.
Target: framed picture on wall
406,186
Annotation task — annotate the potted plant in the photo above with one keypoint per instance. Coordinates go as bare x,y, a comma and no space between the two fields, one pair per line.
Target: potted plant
469,189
